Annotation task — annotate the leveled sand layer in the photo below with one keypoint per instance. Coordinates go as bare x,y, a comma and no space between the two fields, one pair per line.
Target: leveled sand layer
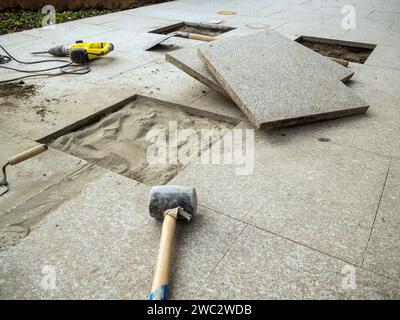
118,141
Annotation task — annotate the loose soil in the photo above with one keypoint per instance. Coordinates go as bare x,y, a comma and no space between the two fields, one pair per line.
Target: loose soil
197,30
18,90
352,54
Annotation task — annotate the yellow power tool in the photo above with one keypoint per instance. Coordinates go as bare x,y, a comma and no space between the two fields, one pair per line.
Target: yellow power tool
81,52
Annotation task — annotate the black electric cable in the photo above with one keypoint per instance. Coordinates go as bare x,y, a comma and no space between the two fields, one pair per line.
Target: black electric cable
4,59
42,70
34,73
30,62
85,69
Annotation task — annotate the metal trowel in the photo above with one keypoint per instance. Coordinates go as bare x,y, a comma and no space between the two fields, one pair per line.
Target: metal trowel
187,35
17,159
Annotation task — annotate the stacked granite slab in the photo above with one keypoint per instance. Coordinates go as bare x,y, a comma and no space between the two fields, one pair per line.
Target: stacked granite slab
189,61
275,81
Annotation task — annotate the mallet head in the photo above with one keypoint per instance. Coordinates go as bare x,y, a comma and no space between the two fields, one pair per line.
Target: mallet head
166,197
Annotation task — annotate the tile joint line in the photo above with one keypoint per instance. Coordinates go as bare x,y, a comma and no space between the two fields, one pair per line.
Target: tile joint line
296,242
226,252
376,212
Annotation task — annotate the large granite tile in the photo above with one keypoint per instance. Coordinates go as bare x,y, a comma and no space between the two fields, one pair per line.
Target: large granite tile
15,38
316,193
189,62
264,266
34,175
374,131
304,17
384,56
385,15
295,29
361,12
174,13
383,252
138,24
63,32
385,80
254,23
277,82
102,244
372,33
160,80
217,103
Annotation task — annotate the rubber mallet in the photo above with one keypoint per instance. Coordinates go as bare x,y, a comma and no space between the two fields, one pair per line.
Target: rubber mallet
168,203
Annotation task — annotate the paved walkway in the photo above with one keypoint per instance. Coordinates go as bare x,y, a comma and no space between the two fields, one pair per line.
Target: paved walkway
319,218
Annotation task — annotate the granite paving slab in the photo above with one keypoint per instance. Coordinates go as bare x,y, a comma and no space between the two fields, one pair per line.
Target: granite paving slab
214,102
262,266
277,82
295,29
316,193
385,56
188,60
383,252
322,203
371,132
32,176
102,244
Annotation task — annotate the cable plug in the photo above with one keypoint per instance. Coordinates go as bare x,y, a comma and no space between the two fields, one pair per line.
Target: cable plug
4,59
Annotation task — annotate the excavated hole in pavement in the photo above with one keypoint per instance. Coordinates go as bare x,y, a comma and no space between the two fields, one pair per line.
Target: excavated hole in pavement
197,28
350,51
118,140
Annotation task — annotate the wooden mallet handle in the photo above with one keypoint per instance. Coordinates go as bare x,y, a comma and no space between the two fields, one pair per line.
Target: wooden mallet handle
160,287
201,37
27,154
344,63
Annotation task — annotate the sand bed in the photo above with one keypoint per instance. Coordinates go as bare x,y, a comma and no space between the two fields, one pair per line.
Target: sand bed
118,141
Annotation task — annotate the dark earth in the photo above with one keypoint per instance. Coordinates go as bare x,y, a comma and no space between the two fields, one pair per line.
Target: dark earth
352,54
18,90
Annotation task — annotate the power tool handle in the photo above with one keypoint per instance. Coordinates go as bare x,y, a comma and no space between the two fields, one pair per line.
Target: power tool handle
27,154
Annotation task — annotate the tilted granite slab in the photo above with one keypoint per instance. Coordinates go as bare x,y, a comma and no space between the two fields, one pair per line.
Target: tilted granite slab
189,62
276,83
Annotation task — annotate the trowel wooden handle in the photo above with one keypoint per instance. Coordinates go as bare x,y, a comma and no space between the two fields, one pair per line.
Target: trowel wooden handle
344,63
201,37
160,288
27,154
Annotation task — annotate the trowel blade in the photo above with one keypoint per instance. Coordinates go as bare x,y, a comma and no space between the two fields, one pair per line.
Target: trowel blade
3,189
162,39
